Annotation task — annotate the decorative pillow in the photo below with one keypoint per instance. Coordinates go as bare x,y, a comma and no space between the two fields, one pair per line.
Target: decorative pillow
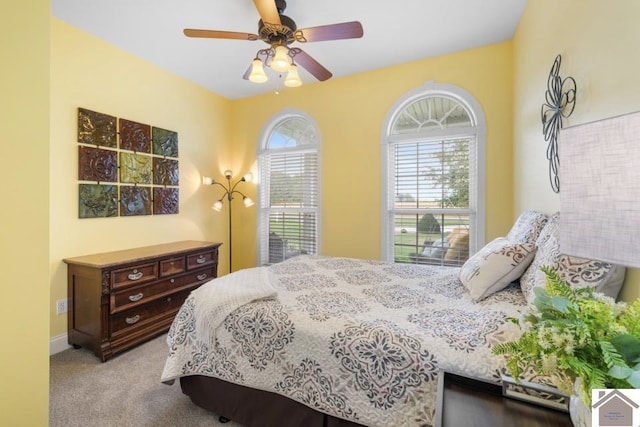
606,278
527,227
495,266
578,272
548,253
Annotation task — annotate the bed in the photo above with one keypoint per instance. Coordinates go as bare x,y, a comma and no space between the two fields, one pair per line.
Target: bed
332,341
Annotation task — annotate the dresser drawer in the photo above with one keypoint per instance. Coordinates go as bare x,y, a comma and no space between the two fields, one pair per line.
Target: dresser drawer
142,315
133,275
201,259
131,297
172,266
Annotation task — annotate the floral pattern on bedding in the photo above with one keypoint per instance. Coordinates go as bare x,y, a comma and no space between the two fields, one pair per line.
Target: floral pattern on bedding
359,340
384,361
307,384
262,331
323,306
459,330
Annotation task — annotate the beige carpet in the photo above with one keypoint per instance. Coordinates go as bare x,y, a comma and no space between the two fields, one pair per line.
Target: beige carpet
124,391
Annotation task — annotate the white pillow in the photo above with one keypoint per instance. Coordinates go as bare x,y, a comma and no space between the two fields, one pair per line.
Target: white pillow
527,227
578,272
496,265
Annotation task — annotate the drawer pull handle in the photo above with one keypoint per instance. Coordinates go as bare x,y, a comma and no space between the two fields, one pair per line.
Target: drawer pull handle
202,276
132,320
201,259
136,297
136,275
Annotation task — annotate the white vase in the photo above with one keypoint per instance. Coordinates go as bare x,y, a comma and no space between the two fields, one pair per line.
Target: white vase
579,411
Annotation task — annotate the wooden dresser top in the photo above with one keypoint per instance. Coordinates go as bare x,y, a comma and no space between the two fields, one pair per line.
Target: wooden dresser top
107,259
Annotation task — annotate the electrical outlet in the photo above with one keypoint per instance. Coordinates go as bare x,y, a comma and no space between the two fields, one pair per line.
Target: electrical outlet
61,306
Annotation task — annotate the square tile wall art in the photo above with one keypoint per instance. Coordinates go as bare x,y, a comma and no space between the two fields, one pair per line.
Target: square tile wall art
135,168
135,136
125,168
96,128
135,200
165,171
98,201
165,142
165,200
97,164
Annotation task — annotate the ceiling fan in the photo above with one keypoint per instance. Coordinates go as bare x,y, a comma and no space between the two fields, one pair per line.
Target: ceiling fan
280,31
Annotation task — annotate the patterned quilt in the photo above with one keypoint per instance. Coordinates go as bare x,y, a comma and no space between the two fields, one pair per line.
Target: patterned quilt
359,340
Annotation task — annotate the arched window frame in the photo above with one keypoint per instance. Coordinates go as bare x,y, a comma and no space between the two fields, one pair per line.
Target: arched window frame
477,192
263,204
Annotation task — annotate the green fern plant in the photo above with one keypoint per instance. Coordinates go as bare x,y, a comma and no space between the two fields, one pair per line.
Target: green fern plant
577,333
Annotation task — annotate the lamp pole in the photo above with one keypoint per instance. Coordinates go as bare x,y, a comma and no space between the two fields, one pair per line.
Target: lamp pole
229,191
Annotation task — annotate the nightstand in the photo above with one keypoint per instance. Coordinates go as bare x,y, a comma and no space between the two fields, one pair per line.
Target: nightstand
467,402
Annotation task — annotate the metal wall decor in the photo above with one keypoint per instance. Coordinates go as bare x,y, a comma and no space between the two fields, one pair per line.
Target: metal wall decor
560,100
125,168
135,136
96,128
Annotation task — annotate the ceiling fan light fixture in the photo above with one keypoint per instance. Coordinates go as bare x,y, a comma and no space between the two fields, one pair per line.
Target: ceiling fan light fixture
257,72
293,78
280,61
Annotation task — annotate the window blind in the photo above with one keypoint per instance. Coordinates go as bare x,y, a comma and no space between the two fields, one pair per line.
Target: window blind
289,205
430,199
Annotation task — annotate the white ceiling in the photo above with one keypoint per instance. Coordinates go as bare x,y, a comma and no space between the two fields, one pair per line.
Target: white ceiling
394,33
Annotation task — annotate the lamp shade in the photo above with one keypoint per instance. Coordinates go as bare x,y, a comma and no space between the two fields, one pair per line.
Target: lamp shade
293,79
257,72
281,61
217,206
247,202
600,190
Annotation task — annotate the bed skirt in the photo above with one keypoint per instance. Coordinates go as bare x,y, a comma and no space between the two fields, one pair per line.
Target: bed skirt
251,407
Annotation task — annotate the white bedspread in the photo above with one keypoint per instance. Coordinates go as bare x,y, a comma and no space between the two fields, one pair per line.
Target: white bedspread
359,340
220,297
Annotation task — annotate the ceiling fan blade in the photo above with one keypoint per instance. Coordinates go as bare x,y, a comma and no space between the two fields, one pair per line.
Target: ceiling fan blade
268,11
214,34
344,30
248,72
311,65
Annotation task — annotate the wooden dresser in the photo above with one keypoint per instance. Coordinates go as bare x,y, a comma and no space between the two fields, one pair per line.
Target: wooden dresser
120,299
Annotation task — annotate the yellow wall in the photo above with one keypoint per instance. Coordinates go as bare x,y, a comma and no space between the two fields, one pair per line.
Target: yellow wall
350,113
87,72
24,217
598,42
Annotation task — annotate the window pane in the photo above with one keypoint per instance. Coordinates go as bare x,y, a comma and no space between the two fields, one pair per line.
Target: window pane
431,175
431,113
293,132
293,180
291,234
430,238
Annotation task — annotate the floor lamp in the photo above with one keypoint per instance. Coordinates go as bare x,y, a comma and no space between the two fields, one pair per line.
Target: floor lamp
229,191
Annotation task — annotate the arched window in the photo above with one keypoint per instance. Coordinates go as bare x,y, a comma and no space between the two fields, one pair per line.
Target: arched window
289,196
433,176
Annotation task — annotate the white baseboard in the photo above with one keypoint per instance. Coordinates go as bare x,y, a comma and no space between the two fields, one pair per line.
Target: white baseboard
58,343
